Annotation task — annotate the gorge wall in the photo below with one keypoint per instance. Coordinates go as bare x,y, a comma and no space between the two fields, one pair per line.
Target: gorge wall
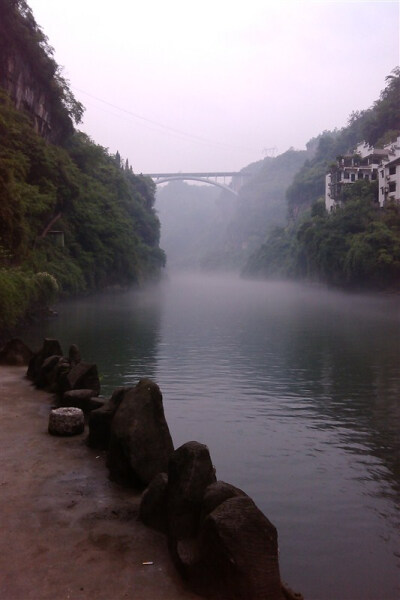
29,74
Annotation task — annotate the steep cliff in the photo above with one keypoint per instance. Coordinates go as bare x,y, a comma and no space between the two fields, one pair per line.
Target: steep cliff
30,75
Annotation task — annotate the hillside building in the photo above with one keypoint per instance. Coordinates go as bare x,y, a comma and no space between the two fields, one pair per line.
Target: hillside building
370,164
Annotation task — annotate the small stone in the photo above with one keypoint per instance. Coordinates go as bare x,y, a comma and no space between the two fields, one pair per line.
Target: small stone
66,421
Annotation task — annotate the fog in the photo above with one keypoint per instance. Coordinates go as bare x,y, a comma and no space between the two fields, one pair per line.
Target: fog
178,86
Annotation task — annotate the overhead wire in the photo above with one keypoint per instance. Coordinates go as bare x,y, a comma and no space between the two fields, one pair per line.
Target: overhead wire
164,128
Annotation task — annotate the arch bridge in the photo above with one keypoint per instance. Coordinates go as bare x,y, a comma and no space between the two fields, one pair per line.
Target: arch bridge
210,177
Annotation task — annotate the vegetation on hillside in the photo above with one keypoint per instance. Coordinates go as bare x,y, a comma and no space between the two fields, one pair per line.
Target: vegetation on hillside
358,245
105,212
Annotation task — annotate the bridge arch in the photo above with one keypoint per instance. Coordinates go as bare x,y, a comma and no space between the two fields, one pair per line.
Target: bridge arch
192,178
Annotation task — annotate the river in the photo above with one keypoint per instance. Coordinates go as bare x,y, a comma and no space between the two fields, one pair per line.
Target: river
296,391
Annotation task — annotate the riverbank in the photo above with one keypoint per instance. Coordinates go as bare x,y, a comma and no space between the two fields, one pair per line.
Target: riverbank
67,531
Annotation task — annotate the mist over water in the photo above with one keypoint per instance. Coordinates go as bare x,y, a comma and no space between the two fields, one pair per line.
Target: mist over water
295,390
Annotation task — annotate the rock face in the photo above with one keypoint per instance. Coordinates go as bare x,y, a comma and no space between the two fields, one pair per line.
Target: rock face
216,494
15,352
81,376
140,441
153,505
19,76
66,421
190,472
239,553
100,420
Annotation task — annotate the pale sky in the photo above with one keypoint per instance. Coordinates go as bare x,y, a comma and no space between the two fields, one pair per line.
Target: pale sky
178,85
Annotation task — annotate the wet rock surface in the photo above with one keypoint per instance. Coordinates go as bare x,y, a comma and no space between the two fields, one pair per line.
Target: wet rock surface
140,441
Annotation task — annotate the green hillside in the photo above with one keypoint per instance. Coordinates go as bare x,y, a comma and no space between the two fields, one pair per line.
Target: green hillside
358,245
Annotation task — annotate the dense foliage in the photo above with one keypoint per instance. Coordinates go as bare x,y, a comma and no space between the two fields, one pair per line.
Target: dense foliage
105,212
358,245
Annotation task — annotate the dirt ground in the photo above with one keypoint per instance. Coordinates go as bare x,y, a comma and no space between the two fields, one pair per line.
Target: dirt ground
66,531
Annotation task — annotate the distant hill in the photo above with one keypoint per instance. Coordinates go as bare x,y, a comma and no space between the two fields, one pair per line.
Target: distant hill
202,227
260,207
192,217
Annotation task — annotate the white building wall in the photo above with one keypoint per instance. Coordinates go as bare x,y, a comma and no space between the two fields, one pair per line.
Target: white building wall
329,202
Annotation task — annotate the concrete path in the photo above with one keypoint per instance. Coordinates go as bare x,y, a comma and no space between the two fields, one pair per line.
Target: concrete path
66,531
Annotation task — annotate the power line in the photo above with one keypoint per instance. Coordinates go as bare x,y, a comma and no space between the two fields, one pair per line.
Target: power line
167,129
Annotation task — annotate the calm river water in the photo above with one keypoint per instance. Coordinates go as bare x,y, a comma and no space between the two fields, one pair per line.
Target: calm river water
295,390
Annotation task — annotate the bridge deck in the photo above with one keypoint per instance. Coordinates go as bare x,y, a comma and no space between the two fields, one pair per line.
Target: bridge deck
208,174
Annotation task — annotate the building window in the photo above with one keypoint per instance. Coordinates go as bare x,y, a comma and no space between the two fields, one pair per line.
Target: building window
381,173
373,176
392,170
392,186
360,176
346,175
366,177
352,177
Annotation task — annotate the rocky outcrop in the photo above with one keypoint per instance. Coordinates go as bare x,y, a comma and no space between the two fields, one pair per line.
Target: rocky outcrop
81,376
28,72
238,553
32,93
221,543
140,441
50,370
190,472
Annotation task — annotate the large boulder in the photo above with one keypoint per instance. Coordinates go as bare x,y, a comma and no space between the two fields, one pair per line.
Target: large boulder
215,494
15,352
190,472
81,376
50,348
153,504
238,552
140,441
100,420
